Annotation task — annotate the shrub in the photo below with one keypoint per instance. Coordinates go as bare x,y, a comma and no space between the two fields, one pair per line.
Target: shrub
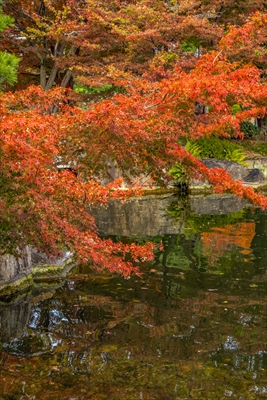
212,147
249,129
223,149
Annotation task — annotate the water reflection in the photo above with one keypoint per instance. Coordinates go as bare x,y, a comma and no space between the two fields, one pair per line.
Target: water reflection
193,326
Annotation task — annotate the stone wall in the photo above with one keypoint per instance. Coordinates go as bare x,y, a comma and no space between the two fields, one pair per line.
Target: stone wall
18,272
140,217
12,268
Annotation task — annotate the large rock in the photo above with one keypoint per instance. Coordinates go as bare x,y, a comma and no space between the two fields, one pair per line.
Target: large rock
238,172
254,176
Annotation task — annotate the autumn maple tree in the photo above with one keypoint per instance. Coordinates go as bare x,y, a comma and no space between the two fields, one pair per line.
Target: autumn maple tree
41,206
161,57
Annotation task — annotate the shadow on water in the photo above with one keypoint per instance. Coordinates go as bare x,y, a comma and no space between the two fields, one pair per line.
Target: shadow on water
193,326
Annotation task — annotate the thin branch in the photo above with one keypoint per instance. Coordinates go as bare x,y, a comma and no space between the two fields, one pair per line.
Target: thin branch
156,104
220,52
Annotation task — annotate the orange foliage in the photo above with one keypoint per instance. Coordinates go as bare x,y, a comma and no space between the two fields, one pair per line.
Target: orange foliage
138,46
220,240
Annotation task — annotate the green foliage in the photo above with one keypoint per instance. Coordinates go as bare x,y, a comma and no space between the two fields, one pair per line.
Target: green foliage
235,109
5,21
91,89
8,68
212,147
79,88
8,62
193,148
223,149
249,129
257,147
190,45
236,155
178,172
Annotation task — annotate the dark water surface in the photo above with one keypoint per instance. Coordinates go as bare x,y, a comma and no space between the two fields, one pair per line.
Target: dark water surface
194,326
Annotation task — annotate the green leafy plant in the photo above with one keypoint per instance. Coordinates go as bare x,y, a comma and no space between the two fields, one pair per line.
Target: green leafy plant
8,62
212,147
249,129
190,45
223,149
79,88
236,155
178,172
193,148
235,109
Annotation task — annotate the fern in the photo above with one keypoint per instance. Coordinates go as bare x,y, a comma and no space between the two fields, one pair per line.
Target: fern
193,148
236,155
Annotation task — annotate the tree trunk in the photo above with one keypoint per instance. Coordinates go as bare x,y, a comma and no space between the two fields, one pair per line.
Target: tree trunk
66,79
73,51
42,75
55,69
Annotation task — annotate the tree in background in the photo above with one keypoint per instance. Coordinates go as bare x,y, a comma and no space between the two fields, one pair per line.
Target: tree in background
99,42
8,62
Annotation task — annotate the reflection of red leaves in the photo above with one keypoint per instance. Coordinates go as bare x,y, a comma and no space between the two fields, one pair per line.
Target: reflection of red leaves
221,239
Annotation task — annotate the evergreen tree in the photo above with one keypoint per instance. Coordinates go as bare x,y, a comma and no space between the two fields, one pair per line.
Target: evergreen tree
8,62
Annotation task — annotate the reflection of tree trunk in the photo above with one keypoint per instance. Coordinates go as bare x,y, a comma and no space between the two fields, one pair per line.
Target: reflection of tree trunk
259,244
167,249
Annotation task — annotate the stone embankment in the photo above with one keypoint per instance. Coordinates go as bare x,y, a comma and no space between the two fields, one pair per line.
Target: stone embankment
17,273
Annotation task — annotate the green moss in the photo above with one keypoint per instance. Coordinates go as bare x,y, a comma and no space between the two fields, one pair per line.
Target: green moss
39,273
255,146
47,270
16,286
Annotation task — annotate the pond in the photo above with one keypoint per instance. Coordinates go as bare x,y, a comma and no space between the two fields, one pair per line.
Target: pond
193,326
